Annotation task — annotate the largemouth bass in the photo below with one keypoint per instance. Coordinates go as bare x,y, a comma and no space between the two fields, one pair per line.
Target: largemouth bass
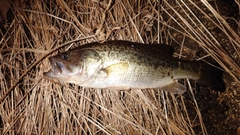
128,65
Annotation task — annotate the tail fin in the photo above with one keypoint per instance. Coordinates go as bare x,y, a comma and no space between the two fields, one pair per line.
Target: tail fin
211,76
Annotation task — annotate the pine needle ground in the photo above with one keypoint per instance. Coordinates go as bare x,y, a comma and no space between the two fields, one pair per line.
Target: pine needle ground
35,30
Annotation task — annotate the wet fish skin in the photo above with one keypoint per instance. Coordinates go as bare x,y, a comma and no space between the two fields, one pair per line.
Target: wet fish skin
129,65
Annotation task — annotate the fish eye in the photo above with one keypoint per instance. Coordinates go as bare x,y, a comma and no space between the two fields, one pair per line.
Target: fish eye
65,56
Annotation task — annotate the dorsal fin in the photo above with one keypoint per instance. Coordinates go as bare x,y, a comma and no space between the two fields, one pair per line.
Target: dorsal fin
167,49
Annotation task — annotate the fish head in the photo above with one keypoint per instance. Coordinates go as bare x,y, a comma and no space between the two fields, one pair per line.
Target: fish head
74,66
64,65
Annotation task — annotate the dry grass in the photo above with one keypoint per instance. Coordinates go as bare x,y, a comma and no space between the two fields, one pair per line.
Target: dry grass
33,104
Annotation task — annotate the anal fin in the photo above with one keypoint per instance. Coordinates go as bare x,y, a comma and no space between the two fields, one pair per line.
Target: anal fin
175,88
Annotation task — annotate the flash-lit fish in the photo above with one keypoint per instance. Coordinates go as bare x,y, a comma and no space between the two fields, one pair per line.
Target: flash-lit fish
129,65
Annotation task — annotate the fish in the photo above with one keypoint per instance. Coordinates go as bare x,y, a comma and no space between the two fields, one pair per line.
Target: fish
123,65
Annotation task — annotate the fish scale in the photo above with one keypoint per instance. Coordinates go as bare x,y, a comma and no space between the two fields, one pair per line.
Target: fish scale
121,65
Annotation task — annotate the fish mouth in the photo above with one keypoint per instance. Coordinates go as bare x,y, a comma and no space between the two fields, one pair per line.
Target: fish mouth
56,68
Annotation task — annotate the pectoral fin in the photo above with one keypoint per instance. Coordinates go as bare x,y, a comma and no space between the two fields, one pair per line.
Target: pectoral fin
175,88
117,69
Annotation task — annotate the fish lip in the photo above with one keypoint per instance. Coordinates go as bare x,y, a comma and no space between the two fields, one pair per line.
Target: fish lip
55,70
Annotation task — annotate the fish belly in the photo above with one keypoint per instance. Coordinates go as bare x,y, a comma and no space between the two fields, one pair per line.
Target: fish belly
124,76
